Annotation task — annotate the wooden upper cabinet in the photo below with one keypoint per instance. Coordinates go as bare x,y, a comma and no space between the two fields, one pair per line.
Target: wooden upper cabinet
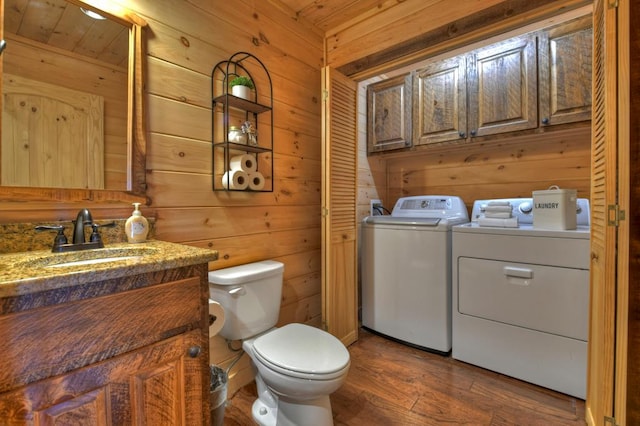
389,114
440,102
565,54
538,79
502,83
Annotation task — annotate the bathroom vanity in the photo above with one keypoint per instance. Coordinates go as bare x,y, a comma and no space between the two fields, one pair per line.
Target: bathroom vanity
92,341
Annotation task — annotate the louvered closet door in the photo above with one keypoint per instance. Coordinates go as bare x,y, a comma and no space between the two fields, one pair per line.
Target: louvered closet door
603,237
339,189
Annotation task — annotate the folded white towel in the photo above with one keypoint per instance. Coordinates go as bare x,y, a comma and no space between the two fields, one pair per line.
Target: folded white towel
498,215
512,222
498,203
497,209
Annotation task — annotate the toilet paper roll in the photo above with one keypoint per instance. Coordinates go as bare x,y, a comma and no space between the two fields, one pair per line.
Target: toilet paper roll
235,179
216,318
256,181
246,163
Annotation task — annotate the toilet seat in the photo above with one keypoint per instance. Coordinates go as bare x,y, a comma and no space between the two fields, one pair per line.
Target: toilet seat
302,351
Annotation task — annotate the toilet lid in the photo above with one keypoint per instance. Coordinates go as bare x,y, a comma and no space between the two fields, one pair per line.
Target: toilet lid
303,349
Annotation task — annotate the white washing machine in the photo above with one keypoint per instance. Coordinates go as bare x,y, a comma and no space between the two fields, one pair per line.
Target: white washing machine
521,298
406,270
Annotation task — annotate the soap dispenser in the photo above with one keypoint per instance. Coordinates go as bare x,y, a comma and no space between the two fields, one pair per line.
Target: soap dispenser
137,226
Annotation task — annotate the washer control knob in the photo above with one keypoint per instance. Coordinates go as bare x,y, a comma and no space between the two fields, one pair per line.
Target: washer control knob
526,207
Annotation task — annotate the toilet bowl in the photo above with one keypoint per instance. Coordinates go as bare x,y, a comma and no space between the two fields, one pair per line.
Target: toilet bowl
296,366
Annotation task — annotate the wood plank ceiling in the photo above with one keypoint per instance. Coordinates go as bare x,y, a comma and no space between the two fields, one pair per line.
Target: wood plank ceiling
330,14
62,25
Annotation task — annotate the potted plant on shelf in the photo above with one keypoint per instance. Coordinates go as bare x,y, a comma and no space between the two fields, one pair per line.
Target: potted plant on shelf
241,86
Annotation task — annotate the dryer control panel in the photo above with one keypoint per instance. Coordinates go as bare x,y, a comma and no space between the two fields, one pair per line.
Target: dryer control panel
522,208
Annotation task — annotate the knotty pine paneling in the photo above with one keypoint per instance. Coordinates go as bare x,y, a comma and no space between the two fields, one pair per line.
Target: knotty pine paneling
504,167
184,42
299,288
176,154
372,172
173,153
372,44
229,221
380,30
241,249
188,190
26,59
243,227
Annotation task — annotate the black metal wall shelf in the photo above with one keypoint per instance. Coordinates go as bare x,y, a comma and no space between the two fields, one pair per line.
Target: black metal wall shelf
254,115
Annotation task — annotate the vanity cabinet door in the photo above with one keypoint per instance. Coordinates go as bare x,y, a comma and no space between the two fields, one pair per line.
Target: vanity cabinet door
440,96
565,72
137,357
503,92
157,385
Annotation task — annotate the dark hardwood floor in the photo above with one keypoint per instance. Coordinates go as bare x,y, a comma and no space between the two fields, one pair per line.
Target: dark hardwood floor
393,384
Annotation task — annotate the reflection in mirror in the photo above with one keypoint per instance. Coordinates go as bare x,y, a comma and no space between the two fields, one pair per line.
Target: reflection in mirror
107,75
64,121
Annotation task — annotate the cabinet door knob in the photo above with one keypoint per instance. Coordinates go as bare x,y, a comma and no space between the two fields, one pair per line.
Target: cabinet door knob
462,134
545,120
194,351
473,133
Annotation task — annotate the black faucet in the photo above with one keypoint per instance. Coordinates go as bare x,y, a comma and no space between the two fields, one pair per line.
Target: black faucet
78,243
82,219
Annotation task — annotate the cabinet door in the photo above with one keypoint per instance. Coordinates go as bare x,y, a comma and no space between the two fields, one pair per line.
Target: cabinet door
389,114
440,102
503,87
565,72
157,385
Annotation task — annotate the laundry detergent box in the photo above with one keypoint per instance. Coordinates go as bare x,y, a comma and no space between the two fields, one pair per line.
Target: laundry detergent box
555,208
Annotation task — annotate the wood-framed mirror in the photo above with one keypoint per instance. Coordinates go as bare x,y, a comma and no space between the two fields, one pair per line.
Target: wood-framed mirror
73,102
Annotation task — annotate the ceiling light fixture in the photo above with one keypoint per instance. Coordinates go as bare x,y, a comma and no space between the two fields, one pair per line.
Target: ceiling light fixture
92,14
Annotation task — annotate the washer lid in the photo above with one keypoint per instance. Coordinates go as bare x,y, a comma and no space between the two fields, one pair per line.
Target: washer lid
389,220
303,349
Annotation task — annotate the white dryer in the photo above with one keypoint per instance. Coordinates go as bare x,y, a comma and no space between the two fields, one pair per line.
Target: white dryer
406,270
521,298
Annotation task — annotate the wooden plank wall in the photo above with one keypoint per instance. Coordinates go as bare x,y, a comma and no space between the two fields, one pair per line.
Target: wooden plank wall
502,168
377,29
185,40
184,43
36,62
372,170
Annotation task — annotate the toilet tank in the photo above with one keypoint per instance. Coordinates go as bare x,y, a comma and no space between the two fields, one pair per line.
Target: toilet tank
250,296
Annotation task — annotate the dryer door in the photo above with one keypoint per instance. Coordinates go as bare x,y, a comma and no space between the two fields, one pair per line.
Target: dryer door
545,298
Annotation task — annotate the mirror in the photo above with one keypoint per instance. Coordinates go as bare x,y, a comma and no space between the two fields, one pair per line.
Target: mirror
72,121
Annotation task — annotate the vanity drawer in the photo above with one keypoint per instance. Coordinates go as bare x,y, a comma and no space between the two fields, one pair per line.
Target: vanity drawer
52,340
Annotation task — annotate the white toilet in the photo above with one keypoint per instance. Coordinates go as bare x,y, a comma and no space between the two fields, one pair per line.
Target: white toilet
297,366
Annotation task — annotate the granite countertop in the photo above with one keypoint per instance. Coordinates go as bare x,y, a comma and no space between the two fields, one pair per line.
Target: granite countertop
35,271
